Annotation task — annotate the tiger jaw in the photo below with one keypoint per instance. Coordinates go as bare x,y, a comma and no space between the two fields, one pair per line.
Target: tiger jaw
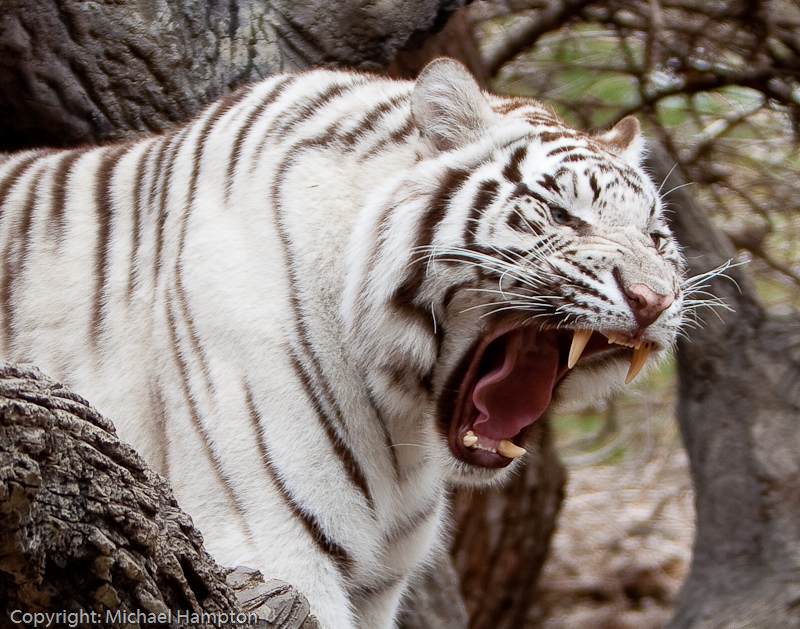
511,380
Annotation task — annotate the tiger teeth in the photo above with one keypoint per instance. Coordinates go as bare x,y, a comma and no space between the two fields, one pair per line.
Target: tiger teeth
640,355
504,448
509,450
579,341
470,439
619,339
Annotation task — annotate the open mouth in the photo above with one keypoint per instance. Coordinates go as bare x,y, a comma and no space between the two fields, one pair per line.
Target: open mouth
510,381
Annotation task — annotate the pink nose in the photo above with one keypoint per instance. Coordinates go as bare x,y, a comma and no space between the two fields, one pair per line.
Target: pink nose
646,304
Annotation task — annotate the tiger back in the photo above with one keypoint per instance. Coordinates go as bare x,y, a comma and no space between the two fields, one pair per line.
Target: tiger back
332,295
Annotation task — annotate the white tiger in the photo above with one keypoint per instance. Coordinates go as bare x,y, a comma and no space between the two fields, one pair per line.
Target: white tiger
331,295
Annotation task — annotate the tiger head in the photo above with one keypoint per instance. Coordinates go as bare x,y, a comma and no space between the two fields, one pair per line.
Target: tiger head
525,265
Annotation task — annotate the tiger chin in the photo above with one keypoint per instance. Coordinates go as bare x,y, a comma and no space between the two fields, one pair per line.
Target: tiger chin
332,295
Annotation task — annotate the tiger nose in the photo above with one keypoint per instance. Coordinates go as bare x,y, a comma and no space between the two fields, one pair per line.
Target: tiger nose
646,304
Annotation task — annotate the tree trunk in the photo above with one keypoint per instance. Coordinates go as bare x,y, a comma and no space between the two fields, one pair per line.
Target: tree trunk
86,526
73,72
738,413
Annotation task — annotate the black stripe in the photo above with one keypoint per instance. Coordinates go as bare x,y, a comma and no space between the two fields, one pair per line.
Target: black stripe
24,235
212,116
367,123
455,289
344,453
405,295
105,211
593,183
197,424
286,123
511,105
236,148
448,399
6,186
139,211
412,522
315,531
515,220
15,174
375,588
390,140
511,171
161,182
399,135
589,272
548,182
387,438
14,254
586,289
59,191
320,386
486,195
552,136
222,107
562,149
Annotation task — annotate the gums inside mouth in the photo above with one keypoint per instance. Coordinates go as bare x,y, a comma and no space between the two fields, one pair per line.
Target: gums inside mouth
508,385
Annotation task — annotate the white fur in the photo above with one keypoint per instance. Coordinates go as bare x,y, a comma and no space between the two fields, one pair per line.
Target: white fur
290,269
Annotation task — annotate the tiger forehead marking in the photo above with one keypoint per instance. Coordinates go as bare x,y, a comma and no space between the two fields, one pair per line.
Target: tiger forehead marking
332,295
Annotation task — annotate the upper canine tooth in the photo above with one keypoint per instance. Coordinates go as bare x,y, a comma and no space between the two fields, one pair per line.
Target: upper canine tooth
470,439
611,336
579,341
640,355
509,450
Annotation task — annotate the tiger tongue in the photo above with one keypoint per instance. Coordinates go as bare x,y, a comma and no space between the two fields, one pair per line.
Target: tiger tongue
517,388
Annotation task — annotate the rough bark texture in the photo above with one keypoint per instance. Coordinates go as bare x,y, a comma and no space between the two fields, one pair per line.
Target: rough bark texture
86,525
738,411
75,72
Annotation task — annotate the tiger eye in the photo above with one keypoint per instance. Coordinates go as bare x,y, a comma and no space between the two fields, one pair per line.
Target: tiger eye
560,216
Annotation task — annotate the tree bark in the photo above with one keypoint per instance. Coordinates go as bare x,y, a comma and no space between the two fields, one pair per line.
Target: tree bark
738,414
73,72
85,525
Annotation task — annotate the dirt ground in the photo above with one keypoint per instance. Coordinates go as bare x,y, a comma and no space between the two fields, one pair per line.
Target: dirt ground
625,532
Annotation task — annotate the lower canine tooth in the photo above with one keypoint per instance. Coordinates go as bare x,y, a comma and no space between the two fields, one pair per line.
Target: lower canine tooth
509,450
470,439
579,341
640,355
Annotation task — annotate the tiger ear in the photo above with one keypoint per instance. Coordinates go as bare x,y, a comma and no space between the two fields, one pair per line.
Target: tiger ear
448,106
624,140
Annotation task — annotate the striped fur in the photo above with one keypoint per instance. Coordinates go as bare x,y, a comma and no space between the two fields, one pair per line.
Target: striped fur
279,304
